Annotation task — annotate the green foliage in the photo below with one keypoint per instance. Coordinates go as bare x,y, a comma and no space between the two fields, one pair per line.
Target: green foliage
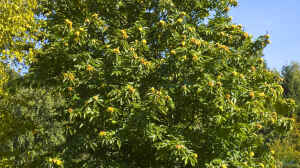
18,35
288,149
291,82
31,125
151,83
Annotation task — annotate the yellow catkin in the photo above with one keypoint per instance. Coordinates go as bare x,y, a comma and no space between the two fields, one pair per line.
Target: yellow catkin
102,133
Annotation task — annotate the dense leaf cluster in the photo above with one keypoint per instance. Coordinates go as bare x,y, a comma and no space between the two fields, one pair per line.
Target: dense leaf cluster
153,83
288,149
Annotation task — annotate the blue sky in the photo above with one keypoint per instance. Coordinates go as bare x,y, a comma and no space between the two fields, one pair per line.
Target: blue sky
281,19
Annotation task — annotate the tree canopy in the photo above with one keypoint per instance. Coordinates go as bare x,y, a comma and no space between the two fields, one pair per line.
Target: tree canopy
144,83
291,84
288,149
17,34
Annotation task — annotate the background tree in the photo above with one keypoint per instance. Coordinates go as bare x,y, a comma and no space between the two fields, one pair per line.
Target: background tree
291,82
288,149
31,127
18,30
156,83
17,36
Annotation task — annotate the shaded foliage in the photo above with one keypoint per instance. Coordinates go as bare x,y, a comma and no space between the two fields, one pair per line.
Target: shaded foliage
288,149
